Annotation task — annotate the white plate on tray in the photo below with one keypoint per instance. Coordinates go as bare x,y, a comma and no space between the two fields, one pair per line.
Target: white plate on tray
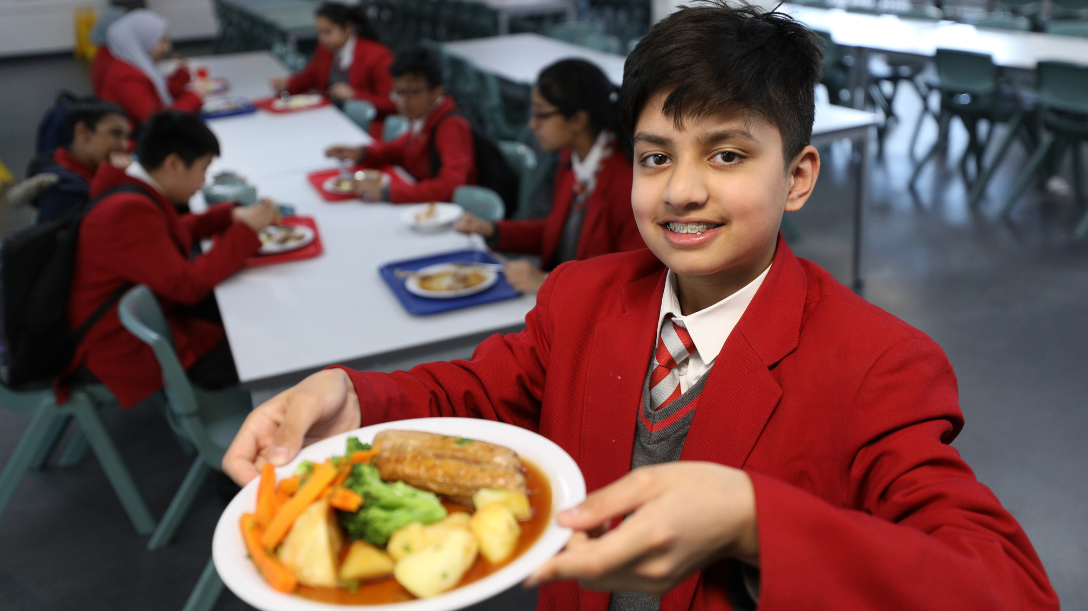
567,484
297,102
413,283
303,236
421,217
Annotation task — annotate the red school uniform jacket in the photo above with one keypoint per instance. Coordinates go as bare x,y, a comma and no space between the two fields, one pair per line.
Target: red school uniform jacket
368,75
452,136
608,225
128,238
102,60
128,87
841,414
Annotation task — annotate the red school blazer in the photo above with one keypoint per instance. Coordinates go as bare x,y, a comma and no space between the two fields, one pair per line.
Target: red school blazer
368,75
102,60
608,225
128,87
452,136
128,238
841,414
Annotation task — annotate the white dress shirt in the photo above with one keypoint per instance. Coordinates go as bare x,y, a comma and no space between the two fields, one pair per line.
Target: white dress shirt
346,55
138,172
708,328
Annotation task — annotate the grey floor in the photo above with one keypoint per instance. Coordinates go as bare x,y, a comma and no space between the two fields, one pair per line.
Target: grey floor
1006,300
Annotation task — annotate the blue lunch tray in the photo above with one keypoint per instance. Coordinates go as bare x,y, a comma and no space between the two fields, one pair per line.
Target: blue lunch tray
422,306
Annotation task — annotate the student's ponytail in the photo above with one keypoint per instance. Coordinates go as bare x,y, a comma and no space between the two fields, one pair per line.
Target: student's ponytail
575,84
342,15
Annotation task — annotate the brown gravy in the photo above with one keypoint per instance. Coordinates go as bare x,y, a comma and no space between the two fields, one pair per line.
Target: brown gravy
385,591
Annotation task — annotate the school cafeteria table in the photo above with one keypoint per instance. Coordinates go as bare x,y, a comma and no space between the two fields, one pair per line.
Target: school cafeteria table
505,9
519,58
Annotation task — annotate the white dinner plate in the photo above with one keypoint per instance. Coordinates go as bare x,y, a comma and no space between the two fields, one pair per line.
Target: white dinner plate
330,186
412,282
305,237
295,102
568,489
444,216
224,104
218,85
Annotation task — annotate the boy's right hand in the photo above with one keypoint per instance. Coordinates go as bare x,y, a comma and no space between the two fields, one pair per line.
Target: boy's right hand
470,223
258,216
278,83
342,151
320,406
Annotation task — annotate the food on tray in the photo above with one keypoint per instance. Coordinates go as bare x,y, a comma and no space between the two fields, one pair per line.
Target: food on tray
390,523
281,235
297,101
340,185
452,279
430,213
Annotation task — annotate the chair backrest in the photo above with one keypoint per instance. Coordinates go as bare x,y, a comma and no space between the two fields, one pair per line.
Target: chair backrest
1063,86
481,201
1004,21
522,160
394,126
361,112
1068,27
966,72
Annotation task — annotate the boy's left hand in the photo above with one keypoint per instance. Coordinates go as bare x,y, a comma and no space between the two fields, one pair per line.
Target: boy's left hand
341,91
369,189
683,516
524,276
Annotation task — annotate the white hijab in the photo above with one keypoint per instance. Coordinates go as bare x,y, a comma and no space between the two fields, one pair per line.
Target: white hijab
131,39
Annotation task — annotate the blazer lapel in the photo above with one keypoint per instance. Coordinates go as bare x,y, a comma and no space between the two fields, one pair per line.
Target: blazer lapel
618,360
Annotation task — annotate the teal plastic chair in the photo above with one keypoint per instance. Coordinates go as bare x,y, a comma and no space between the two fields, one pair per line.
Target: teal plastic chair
1004,21
1063,112
522,160
481,201
208,420
47,423
1068,27
393,127
361,112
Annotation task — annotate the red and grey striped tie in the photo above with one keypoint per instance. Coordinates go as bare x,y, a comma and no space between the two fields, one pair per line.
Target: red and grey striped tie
673,348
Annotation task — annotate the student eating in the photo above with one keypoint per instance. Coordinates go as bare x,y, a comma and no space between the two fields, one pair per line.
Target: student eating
437,150
573,111
750,430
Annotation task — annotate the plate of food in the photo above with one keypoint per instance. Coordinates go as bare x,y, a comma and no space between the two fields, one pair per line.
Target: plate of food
284,238
431,514
338,185
297,102
224,104
449,280
431,217
215,85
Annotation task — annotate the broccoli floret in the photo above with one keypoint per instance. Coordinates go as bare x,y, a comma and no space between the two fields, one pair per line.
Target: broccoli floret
354,445
386,507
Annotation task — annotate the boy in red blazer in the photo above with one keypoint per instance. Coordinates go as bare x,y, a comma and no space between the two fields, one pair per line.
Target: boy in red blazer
752,430
132,238
437,151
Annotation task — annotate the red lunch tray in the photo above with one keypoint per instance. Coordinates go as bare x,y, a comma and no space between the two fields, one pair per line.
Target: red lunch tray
317,179
309,251
266,104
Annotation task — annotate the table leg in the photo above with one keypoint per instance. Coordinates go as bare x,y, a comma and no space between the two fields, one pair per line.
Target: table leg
860,197
859,78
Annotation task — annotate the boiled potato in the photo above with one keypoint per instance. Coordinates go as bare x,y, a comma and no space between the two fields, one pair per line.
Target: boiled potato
415,536
364,561
497,530
440,567
516,502
311,549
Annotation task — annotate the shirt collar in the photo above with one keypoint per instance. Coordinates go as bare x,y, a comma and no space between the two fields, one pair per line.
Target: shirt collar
417,125
346,53
137,171
585,170
709,327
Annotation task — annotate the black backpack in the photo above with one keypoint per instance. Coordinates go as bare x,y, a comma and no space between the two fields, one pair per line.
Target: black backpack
37,265
492,171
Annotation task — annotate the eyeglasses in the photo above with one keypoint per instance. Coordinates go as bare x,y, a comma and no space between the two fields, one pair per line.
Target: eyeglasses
540,116
407,94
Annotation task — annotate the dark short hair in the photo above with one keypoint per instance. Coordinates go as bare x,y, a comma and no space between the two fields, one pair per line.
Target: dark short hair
418,61
715,57
355,16
575,84
174,132
89,113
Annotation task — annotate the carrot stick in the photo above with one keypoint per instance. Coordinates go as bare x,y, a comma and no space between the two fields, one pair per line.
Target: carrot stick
310,491
281,498
278,576
363,456
266,495
289,486
345,499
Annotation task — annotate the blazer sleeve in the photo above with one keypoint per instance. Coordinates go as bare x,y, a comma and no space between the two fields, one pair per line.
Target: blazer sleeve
214,221
923,532
522,236
147,254
304,80
382,154
504,381
453,142
177,81
377,82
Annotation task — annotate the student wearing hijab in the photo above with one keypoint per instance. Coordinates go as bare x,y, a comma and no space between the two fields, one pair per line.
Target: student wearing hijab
136,41
573,111
349,63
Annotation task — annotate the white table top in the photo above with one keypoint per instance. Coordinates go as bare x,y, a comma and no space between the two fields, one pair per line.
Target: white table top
889,33
527,5
520,57
834,119
295,317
